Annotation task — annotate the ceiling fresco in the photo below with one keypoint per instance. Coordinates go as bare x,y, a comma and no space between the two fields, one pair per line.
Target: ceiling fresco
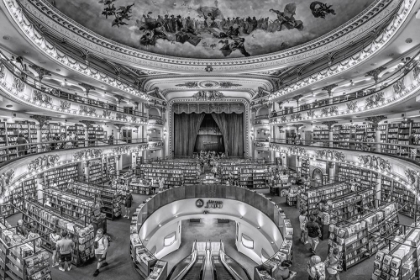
211,29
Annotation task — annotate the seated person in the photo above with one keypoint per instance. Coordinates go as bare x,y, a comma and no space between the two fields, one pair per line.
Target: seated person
284,272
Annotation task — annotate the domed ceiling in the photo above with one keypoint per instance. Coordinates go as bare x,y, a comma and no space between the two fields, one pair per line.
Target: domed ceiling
210,29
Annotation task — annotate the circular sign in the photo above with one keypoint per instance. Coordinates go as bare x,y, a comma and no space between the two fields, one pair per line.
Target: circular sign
199,203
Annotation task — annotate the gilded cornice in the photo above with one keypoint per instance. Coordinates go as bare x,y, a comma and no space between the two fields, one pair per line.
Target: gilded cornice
364,22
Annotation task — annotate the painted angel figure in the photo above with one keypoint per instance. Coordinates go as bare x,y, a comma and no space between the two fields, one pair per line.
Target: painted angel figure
287,18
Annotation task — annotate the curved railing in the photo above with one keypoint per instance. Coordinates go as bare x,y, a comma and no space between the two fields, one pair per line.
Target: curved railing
356,95
13,152
192,262
20,88
25,76
399,89
249,197
406,152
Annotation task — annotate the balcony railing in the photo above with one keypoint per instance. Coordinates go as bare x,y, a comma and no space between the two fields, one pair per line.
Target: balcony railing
51,92
407,152
372,95
12,152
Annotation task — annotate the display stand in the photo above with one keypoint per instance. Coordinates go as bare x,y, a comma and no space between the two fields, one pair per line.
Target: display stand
359,238
21,258
43,219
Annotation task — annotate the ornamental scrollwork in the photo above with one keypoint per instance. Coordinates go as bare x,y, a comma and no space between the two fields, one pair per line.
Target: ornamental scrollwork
65,105
42,97
86,154
399,86
18,84
375,99
106,113
86,110
42,162
5,179
352,105
208,95
283,119
411,176
121,117
310,113
2,74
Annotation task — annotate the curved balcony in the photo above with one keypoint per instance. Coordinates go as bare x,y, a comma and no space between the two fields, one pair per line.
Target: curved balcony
30,166
17,86
400,165
400,89
13,152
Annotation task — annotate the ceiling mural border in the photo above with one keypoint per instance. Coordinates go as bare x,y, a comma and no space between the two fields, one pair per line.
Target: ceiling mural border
366,53
268,81
247,120
364,22
167,91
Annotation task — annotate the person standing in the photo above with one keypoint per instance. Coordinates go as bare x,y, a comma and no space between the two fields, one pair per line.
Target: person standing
332,263
316,268
128,201
314,233
22,229
54,238
65,246
21,140
101,250
303,219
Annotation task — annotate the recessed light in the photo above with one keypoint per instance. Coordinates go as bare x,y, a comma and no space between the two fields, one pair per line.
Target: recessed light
409,40
9,106
42,62
58,70
6,38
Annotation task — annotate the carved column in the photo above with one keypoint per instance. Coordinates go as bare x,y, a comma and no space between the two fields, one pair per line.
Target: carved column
375,120
329,90
330,124
375,73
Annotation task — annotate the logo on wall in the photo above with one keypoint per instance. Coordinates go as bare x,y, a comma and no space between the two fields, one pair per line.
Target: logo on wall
199,203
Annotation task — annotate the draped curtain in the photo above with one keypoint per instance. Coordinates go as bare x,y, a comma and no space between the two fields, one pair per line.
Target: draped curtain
186,128
231,127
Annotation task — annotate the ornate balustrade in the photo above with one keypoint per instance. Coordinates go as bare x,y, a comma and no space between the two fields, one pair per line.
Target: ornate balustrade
394,166
399,90
33,165
16,87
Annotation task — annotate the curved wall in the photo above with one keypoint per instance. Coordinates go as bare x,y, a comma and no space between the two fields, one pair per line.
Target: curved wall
166,219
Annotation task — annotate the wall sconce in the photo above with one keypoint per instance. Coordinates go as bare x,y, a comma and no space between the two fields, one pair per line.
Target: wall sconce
164,132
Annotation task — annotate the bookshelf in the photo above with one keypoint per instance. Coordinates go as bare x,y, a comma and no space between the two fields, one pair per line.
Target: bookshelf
21,258
309,200
112,166
304,167
246,177
174,174
79,131
321,134
95,133
61,175
44,219
359,238
111,199
365,178
396,192
96,172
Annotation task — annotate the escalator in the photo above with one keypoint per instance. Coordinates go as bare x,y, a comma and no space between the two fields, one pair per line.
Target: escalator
226,268
221,272
191,267
194,272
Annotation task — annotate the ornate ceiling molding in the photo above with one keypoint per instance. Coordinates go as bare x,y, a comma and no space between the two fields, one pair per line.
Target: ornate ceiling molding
364,22
15,11
358,58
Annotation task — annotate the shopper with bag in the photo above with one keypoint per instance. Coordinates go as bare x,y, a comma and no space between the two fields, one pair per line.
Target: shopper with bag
65,246
316,268
314,233
333,265
101,245
303,219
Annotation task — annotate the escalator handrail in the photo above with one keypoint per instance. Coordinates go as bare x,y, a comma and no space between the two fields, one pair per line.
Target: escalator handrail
231,271
188,267
203,268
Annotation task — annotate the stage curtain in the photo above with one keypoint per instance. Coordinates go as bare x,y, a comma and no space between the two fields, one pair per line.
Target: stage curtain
236,134
221,121
186,128
194,127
